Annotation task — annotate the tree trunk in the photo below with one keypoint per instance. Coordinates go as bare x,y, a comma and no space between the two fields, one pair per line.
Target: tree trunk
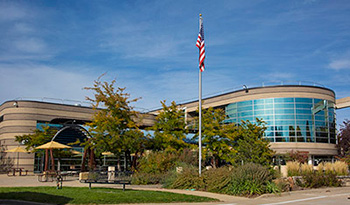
46,160
52,161
84,161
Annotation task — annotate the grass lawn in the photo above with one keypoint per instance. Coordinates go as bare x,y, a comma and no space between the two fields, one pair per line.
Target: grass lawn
82,195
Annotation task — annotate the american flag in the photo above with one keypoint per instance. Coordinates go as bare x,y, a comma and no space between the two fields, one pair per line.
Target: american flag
200,44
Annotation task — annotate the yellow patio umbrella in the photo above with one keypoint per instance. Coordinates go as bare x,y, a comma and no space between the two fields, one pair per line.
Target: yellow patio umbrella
49,146
104,156
107,153
18,150
76,152
53,145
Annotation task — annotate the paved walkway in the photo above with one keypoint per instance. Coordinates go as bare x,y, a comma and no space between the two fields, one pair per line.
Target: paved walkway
296,197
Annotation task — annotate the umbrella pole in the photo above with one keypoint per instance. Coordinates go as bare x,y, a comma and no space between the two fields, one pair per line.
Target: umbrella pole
17,160
46,159
52,161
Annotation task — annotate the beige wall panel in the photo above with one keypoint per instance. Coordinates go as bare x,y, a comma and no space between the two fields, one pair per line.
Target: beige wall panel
45,105
36,117
15,129
312,148
18,123
343,103
57,113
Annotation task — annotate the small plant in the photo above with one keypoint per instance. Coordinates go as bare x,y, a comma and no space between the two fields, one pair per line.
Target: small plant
316,180
320,168
293,168
306,168
328,168
189,179
340,168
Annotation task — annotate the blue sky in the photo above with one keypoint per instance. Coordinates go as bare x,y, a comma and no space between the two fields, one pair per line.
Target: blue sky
55,48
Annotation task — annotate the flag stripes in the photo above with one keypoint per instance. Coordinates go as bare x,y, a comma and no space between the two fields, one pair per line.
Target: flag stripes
201,45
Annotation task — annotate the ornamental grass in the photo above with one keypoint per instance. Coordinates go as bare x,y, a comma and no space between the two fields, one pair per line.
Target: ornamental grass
293,168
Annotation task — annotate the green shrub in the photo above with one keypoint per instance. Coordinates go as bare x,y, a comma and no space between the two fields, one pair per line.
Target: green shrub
157,162
217,179
188,179
148,178
317,179
248,180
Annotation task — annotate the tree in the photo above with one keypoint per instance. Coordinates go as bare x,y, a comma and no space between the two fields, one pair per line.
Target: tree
233,143
217,146
37,138
170,128
343,145
114,128
250,144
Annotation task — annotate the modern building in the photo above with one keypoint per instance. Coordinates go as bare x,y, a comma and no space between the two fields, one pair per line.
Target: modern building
298,118
20,117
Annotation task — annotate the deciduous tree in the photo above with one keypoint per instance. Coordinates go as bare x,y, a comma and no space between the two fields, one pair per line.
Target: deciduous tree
170,128
343,145
113,126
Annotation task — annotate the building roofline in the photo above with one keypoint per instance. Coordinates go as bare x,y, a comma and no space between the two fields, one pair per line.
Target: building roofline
252,88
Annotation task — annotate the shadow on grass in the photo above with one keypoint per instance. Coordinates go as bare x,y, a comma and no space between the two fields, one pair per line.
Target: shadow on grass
35,197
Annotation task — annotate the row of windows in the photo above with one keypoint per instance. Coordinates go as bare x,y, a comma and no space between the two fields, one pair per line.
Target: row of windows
287,117
278,101
301,139
279,111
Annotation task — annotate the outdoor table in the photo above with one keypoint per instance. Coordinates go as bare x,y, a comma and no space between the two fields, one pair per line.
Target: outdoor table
19,170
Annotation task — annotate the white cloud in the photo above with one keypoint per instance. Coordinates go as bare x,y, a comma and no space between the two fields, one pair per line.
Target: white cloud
30,45
23,28
36,80
339,64
10,12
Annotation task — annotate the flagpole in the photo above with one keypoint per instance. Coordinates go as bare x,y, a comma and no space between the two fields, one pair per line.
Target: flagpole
200,124
200,114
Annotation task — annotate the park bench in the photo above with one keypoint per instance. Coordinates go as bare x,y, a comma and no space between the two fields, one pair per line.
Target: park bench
50,176
21,171
106,177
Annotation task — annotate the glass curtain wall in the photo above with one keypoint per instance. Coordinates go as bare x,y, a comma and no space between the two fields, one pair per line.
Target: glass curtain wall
288,119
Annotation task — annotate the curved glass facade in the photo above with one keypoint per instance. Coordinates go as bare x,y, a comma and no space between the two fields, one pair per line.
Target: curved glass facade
289,119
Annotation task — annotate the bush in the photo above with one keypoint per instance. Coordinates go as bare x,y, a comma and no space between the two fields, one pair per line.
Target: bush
217,179
246,180
316,180
148,178
340,168
157,162
188,179
320,168
159,167
328,168
306,168
293,168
